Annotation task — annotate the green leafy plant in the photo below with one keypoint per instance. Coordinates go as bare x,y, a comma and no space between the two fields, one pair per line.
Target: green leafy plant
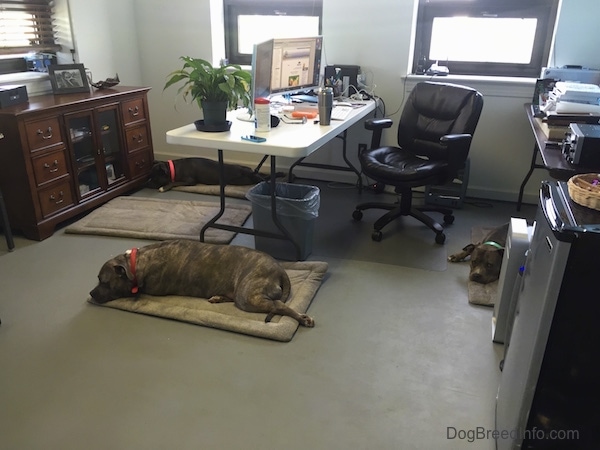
204,83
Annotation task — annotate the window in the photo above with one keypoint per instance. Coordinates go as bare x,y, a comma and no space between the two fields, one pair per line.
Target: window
248,22
485,37
26,26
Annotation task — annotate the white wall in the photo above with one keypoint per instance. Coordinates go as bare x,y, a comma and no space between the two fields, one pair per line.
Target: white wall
105,38
143,39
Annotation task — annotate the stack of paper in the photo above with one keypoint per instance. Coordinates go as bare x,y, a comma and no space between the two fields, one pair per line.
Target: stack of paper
571,97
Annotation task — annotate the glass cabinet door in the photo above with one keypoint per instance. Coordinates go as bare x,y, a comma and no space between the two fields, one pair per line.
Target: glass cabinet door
96,149
84,153
110,145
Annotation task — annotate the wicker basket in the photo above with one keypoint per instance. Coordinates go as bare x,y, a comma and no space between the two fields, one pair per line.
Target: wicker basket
584,189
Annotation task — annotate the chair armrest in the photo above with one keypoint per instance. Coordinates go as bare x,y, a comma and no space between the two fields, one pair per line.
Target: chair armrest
377,126
458,149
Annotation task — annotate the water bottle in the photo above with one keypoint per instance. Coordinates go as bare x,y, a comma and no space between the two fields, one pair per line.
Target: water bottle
325,97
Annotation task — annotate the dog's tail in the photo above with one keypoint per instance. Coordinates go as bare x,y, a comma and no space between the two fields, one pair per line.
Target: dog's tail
286,286
286,289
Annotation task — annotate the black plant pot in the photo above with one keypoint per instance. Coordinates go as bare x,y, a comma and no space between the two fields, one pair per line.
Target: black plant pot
215,113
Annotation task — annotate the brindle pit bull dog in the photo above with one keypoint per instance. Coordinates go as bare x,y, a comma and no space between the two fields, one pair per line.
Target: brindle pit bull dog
486,256
191,171
251,279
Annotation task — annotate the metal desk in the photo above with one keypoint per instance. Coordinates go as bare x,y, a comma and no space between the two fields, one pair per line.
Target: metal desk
550,153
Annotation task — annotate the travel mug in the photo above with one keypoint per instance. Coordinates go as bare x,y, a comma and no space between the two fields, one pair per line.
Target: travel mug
325,98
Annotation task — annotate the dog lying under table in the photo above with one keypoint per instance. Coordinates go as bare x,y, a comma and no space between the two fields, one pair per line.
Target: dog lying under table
191,171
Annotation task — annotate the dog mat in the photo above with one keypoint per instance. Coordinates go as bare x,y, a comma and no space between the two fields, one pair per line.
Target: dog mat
481,294
150,218
214,189
306,278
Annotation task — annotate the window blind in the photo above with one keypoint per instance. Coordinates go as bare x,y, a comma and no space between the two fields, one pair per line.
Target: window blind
26,26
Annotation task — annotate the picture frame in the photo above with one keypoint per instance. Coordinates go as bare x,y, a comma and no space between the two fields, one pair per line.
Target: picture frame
68,78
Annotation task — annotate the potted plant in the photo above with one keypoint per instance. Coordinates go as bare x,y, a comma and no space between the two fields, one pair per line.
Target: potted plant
215,89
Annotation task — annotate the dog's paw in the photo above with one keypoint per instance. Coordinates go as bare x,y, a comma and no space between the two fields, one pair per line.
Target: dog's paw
458,257
306,321
219,299
161,189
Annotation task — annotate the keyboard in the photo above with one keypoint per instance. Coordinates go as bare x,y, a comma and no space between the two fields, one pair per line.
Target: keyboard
305,98
340,112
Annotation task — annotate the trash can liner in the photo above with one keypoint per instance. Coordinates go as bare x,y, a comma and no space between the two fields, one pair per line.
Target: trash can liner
293,200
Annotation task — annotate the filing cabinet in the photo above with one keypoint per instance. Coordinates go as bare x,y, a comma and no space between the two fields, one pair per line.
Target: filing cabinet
62,155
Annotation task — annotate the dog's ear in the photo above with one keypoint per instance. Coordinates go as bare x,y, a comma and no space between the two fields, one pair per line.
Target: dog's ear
123,271
469,248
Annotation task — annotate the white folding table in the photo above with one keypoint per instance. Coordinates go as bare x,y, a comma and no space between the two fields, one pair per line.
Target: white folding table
290,140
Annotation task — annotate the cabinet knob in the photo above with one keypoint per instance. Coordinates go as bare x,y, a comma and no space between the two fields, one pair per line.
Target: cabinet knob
134,111
139,138
58,201
55,164
140,163
45,134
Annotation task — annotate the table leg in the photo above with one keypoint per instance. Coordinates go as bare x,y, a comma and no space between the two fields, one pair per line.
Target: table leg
532,167
349,166
212,223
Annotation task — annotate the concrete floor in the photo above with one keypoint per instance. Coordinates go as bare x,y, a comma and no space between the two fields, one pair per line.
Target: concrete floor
398,359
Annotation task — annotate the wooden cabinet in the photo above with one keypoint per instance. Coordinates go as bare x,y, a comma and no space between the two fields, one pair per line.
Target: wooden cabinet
62,155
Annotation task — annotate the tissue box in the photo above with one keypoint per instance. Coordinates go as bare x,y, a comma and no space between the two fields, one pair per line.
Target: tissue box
12,95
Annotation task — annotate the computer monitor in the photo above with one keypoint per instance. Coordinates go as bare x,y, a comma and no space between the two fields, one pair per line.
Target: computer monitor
262,57
288,65
296,65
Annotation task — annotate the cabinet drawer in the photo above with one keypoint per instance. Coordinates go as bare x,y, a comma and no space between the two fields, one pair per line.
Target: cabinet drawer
55,198
43,133
140,164
137,138
133,111
50,167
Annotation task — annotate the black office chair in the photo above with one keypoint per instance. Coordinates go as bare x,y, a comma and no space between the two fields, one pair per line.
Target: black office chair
434,137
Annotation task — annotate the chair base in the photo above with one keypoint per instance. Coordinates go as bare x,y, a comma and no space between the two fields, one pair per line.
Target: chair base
404,208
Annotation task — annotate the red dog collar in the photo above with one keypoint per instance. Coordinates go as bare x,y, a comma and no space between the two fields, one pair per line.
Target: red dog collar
172,170
132,253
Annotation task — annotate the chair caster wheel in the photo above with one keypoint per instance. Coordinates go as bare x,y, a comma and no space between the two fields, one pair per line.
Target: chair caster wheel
377,236
448,219
440,238
379,188
357,214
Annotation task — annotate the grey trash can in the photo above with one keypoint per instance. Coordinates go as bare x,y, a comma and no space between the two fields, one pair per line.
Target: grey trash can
297,208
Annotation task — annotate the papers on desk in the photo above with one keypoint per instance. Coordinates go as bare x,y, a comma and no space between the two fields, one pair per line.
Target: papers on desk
570,97
555,124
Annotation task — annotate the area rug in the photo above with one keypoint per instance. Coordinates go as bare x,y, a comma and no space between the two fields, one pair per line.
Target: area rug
150,218
481,294
409,243
211,189
306,278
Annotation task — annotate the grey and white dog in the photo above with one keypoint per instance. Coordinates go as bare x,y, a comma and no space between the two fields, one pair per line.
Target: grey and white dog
253,280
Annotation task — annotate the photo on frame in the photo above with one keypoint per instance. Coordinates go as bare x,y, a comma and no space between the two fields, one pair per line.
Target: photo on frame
68,78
